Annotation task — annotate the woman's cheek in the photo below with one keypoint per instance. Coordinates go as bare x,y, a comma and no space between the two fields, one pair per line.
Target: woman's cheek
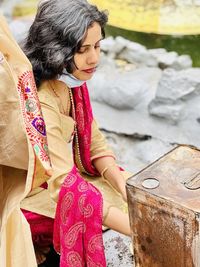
80,61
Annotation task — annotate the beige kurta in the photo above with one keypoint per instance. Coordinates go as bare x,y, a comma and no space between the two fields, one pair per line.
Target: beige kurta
55,102
20,165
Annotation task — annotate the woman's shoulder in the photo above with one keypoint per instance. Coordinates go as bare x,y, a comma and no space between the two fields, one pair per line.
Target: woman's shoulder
55,94
46,93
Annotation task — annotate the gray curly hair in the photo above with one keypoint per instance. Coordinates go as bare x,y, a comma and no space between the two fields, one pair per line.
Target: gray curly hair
56,35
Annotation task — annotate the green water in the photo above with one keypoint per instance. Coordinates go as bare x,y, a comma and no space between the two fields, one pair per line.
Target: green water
187,44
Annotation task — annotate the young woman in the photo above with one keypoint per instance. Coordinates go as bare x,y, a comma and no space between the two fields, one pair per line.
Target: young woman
63,46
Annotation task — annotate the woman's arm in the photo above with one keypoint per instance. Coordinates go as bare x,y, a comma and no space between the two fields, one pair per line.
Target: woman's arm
110,171
104,161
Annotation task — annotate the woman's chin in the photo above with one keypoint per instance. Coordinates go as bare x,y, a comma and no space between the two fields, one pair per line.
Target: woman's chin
85,76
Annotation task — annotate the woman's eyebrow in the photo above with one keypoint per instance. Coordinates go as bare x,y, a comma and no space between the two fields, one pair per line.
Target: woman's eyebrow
85,45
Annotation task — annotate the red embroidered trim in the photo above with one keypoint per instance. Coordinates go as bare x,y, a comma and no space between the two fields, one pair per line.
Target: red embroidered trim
32,115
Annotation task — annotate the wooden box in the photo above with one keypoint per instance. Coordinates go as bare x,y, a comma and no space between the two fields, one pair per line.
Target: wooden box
164,210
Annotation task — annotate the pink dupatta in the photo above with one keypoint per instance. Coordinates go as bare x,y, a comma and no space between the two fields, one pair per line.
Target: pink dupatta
78,220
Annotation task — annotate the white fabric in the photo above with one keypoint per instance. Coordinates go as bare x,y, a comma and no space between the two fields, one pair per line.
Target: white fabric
70,80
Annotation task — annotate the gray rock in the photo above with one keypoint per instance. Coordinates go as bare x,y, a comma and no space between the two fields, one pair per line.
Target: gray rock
171,112
135,53
167,60
175,89
170,59
139,122
121,43
175,85
133,46
112,46
157,52
124,149
182,62
107,44
150,150
124,90
134,154
107,64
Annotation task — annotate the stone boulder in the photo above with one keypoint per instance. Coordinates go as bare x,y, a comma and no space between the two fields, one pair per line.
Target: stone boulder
123,89
174,89
139,55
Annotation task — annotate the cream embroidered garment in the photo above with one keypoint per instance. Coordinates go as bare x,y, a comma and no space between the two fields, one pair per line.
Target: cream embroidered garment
24,161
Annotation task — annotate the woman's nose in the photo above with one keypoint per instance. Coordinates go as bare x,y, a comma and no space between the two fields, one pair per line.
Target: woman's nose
93,56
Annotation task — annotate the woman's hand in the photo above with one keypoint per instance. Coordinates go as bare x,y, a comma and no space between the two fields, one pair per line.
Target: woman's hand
122,190
112,174
124,195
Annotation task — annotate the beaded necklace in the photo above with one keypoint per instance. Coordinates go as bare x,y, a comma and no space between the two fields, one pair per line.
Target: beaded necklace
65,110
72,106
76,132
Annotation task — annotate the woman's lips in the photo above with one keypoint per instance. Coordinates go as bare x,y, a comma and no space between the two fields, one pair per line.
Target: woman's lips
90,70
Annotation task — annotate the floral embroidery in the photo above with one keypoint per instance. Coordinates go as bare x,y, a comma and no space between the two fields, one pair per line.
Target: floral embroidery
95,243
83,187
66,205
30,105
34,122
72,235
74,259
70,180
87,211
38,123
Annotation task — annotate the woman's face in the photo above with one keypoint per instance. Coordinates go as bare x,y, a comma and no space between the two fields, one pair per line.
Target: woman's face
87,58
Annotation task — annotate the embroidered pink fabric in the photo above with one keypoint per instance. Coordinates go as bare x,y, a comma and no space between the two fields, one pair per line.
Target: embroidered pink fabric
78,224
78,220
84,118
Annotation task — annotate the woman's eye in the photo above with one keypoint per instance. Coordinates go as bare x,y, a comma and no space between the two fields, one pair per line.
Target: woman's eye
82,50
97,46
